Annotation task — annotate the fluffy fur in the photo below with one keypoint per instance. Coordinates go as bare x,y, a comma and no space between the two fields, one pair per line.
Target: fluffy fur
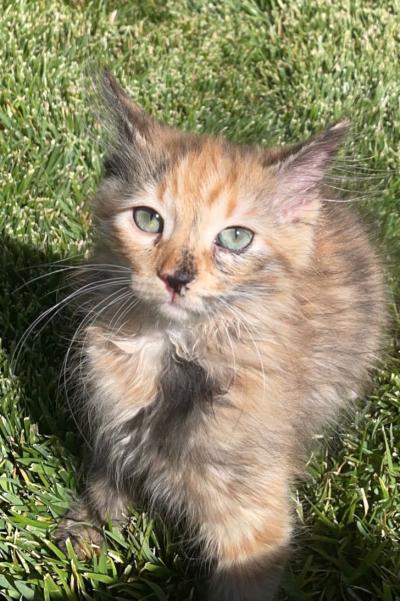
202,403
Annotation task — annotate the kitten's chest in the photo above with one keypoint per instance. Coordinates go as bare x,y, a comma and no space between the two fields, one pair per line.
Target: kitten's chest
154,407
123,375
151,375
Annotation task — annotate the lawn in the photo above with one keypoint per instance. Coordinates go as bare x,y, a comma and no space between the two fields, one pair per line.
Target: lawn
257,71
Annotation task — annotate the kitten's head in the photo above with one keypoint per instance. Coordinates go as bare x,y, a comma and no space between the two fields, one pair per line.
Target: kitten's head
202,222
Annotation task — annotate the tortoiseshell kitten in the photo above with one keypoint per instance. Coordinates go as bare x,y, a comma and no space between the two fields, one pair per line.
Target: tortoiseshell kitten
236,312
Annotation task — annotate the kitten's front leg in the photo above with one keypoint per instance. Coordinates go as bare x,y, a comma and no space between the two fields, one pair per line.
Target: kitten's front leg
82,522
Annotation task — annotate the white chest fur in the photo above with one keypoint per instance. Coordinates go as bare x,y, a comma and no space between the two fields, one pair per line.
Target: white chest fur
123,373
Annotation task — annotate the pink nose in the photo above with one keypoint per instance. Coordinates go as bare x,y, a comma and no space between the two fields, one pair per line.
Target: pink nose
176,281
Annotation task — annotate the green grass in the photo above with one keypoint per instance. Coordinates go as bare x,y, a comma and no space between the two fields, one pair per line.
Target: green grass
266,71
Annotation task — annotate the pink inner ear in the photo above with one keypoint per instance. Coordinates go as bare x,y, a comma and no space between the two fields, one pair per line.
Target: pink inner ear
300,174
292,210
296,195
298,179
304,171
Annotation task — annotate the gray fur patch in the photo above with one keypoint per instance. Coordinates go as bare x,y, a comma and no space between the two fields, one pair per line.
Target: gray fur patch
160,437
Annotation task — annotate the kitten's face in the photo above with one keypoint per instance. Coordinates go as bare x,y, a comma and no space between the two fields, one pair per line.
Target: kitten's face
199,236
200,222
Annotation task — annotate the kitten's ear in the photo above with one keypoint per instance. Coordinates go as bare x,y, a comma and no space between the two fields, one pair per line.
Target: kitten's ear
300,172
134,135
133,125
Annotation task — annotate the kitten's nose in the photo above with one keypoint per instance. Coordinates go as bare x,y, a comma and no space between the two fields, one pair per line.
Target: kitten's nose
178,280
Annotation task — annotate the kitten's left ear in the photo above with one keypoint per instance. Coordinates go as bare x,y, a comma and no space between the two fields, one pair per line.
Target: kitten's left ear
300,172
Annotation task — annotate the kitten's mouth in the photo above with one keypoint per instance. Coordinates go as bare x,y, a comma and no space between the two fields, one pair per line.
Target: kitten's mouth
177,296
173,309
178,307
173,304
177,300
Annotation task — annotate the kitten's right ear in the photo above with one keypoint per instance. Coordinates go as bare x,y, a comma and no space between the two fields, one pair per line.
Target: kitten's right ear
134,135
132,123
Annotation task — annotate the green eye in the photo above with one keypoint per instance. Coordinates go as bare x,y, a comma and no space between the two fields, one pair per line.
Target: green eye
148,220
235,238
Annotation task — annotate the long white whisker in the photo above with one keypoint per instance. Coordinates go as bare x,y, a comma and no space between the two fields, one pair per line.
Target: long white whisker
239,316
53,311
113,281
50,263
128,304
89,317
88,267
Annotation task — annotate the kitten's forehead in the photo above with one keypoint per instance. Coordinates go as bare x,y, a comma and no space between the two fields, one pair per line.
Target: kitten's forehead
214,178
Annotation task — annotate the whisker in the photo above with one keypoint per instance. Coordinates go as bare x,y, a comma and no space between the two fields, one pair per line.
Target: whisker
96,284
88,267
122,311
50,263
235,311
52,312
88,319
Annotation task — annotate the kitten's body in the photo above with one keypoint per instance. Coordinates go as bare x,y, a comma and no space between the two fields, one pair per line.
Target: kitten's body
203,411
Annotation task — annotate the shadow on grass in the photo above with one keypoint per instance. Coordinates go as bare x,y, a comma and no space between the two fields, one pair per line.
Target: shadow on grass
37,363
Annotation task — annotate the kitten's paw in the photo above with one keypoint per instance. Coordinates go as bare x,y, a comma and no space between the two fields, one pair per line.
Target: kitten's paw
77,525
86,540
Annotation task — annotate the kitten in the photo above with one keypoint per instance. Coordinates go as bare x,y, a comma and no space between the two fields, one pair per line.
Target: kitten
235,312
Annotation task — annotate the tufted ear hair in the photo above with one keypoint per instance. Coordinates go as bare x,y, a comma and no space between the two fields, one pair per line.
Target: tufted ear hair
134,133
131,121
300,172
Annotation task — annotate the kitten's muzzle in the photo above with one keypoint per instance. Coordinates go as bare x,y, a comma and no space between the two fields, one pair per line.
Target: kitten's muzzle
177,282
